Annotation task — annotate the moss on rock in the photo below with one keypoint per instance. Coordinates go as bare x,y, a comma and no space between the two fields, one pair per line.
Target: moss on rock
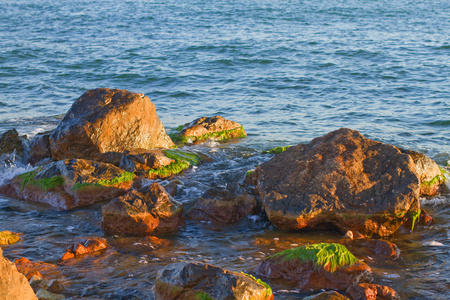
45,184
276,150
182,161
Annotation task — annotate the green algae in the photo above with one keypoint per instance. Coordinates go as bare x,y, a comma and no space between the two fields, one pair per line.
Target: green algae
45,184
414,215
203,296
79,186
123,177
436,179
183,160
249,173
276,150
217,136
179,128
334,255
259,281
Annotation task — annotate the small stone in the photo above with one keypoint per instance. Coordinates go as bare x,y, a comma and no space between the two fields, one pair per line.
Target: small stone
55,286
46,295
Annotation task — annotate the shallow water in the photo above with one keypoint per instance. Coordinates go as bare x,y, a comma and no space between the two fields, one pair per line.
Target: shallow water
288,71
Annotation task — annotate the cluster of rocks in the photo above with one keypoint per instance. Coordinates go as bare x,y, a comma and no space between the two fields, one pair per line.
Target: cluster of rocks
111,142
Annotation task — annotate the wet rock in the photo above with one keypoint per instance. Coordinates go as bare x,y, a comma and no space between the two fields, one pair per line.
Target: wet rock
145,212
8,238
70,183
182,160
209,128
86,246
13,285
55,286
108,120
203,281
430,176
26,267
341,178
37,283
223,206
316,267
43,294
333,295
141,161
39,148
377,249
10,141
366,291
172,187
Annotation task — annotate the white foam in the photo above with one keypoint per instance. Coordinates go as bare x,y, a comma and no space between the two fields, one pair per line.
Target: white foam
10,169
392,276
433,244
438,200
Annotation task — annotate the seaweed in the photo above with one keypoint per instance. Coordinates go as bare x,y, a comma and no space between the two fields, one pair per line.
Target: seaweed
436,179
276,150
414,216
259,281
183,160
44,184
217,136
203,296
323,254
123,177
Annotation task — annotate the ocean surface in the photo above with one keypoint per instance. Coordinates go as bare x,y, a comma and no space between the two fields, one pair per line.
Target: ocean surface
288,71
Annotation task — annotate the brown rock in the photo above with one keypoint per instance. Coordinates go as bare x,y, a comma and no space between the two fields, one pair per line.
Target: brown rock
143,160
333,295
43,294
190,281
223,206
341,178
172,187
108,120
10,141
39,148
214,128
13,285
377,249
77,182
148,211
367,291
25,266
308,275
8,238
55,286
84,247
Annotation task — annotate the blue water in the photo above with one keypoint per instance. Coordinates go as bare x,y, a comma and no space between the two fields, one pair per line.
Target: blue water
288,71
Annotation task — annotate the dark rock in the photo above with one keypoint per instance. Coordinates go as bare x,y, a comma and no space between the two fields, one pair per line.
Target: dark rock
172,187
366,291
215,128
141,161
223,206
380,250
333,295
191,281
10,141
39,148
13,285
148,211
70,183
341,178
108,120
316,267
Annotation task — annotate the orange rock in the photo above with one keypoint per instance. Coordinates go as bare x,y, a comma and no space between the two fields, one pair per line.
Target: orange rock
368,291
47,270
84,247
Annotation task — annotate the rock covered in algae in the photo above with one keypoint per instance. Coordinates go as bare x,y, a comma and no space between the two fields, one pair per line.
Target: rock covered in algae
341,178
209,128
13,285
180,161
150,210
108,120
70,183
316,266
193,281
8,238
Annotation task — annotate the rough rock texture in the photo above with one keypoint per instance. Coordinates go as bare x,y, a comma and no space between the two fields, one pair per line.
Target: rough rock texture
223,206
8,238
10,141
69,183
13,285
27,267
108,120
341,178
333,295
150,210
366,291
376,249
430,176
215,128
84,247
39,148
141,160
299,267
192,281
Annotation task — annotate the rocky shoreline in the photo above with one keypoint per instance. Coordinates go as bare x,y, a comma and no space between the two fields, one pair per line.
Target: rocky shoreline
111,146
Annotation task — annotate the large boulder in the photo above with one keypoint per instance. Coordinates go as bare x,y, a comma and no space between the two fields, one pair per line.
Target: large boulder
148,211
13,285
316,267
70,183
192,281
223,206
108,120
209,128
341,178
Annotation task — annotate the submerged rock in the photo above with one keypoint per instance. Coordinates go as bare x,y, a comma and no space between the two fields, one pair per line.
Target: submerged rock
209,128
13,285
223,206
10,142
86,246
148,211
8,238
39,148
380,250
27,267
70,183
341,178
191,281
108,120
366,291
317,266
333,295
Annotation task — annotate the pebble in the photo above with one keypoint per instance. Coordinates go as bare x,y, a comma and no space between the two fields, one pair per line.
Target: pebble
276,239
294,245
